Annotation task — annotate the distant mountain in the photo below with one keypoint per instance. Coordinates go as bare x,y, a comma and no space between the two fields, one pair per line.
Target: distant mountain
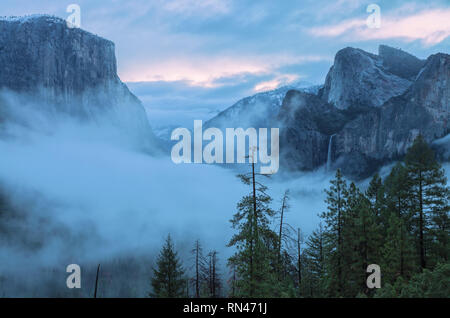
65,70
256,110
368,112
359,77
369,122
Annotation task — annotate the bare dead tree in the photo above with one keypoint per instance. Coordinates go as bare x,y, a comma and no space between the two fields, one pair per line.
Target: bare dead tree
199,267
284,207
96,281
214,277
299,257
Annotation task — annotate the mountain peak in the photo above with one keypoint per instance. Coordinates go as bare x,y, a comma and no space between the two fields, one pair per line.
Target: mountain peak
432,87
44,22
360,78
66,70
62,59
385,50
31,18
399,62
352,51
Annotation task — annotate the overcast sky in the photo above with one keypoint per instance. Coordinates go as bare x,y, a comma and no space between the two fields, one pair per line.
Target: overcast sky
198,56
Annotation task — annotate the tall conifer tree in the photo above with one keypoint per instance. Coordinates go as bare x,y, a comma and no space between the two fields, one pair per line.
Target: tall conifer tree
429,193
168,280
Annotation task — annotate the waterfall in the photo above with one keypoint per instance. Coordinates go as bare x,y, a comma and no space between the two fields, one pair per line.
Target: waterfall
330,143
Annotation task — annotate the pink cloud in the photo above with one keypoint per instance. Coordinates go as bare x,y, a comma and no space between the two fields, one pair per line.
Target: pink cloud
429,26
198,72
196,7
278,81
205,71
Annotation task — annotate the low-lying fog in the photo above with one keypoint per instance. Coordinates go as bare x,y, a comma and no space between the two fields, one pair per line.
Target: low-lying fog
87,197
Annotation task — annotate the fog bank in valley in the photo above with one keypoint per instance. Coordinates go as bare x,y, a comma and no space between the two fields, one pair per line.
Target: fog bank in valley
83,193
87,196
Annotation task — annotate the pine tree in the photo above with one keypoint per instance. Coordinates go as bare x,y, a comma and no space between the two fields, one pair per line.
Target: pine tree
256,243
299,257
199,268
333,218
375,194
168,280
315,261
399,255
288,285
316,251
288,270
5,213
370,232
399,194
430,193
283,210
362,241
354,245
214,280
440,229
435,284
232,281
401,224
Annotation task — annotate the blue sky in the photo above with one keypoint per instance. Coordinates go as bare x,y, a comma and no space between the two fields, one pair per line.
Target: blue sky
190,58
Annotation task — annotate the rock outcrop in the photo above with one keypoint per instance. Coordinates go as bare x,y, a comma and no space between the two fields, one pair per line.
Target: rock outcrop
257,110
367,136
423,109
66,70
301,135
374,106
361,78
400,63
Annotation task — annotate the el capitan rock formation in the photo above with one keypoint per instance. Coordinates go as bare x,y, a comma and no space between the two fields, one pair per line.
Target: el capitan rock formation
66,70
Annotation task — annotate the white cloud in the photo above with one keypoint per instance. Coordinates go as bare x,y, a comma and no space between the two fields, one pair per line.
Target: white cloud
206,71
429,26
276,82
197,71
198,7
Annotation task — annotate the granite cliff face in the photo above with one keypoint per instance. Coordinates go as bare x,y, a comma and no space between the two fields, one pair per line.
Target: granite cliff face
371,124
432,89
360,78
66,70
257,110
302,134
368,112
400,63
